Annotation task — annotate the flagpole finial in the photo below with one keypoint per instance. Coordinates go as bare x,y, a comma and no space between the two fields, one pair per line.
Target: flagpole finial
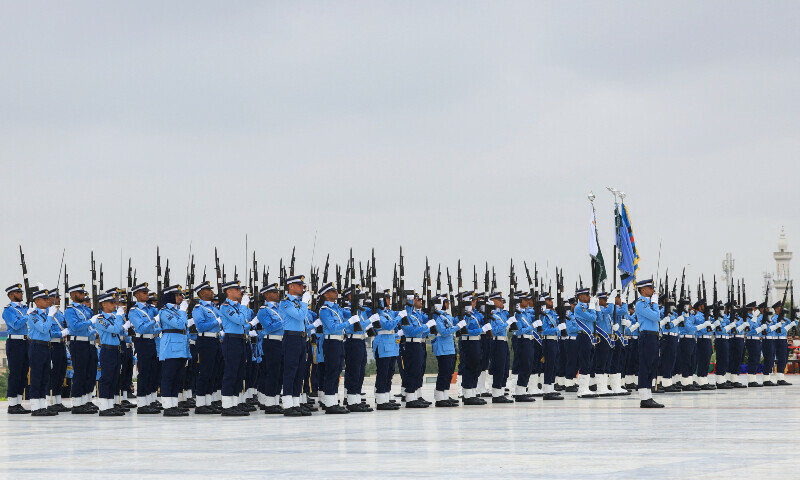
622,195
591,196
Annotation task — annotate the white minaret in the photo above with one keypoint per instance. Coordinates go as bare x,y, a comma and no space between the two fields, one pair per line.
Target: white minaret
782,259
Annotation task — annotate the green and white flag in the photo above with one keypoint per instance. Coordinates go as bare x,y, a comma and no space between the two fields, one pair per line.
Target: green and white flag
598,266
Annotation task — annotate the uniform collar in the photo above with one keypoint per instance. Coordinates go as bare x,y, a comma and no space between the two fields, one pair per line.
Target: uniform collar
141,304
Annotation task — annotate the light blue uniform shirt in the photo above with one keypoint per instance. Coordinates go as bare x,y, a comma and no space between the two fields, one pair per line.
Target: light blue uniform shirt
173,345
270,319
39,324
293,311
648,315
442,343
109,328
16,318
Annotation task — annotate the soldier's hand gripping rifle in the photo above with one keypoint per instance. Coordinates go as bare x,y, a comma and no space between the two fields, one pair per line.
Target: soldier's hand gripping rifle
25,281
512,301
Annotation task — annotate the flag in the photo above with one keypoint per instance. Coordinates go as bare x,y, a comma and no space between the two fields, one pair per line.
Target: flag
626,265
598,266
627,232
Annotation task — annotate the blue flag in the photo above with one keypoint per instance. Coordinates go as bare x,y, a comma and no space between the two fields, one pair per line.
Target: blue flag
628,259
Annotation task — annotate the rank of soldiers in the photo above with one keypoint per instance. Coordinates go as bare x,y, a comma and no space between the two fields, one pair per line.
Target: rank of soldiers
235,348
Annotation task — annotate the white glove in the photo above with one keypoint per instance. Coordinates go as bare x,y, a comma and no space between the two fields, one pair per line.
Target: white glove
354,319
773,328
759,329
401,334
307,298
375,318
158,318
654,298
740,328
461,324
94,319
544,309
716,323
512,320
700,327
126,325
562,327
486,327
31,310
614,294
790,325
317,322
221,333
252,333
614,327
626,322
592,303
190,322
430,323
245,300
728,327
369,326
537,324
219,321
65,332
254,322
52,311
468,309
664,322
402,314
634,327
184,306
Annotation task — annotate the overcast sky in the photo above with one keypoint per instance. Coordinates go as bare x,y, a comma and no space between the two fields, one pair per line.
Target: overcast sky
469,130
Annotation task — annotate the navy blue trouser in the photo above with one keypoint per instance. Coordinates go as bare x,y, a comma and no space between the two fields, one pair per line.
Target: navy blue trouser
470,364
58,371
584,351
125,369
617,364
523,357
722,347
415,365
308,369
190,383
447,365
571,358
753,355
561,364
550,348
385,371
704,351
669,353
486,347
602,355
768,350
234,350
84,371
401,363
632,357
334,353
39,364
499,365
648,358
686,356
17,354
736,354
171,376
272,367
781,354
207,349
537,366
219,370
294,358
108,385
355,351
515,347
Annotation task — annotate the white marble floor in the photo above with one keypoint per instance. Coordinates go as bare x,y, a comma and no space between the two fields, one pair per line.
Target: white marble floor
752,433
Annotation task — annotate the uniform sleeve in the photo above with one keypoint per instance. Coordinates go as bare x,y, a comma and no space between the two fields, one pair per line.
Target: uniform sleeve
585,315
645,312
287,309
75,321
388,320
139,321
13,318
229,312
41,326
330,320
442,328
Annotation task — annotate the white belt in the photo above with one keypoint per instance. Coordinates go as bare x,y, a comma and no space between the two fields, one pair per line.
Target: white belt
572,338
501,339
357,336
549,337
780,337
385,332
671,334
527,337
722,336
687,336
334,337
704,336
17,337
80,339
273,337
771,337
191,342
415,340
56,340
473,337
146,335
208,334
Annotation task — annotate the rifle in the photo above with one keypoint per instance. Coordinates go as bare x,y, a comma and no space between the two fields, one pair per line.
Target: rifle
474,279
281,280
25,281
459,306
166,275
160,279
765,316
192,302
254,286
512,304
439,281
715,308
402,284
373,281
95,303
744,307
354,308
66,288
218,270
128,293
325,271
291,263
793,310
682,298
560,308
395,289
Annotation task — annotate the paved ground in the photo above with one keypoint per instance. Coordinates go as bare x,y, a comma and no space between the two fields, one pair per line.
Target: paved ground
752,433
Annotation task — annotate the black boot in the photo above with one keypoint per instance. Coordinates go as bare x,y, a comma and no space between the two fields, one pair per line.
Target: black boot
650,403
474,401
552,396
18,410
234,412
523,398
175,412
337,410
502,400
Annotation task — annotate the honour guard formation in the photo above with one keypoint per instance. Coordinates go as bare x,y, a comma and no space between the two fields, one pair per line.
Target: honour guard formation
298,347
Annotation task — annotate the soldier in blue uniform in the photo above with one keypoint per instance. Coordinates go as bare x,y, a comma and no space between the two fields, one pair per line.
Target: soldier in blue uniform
235,324
355,352
40,321
782,346
294,312
58,355
83,353
649,316
722,327
631,332
669,351
551,330
205,318
735,348
522,344
146,329
109,327
174,349
444,348
585,317
471,349
687,348
499,365
385,348
705,330
272,350
768,348
605,346
14,316
753,343
571,347
617,364
413,322
334,321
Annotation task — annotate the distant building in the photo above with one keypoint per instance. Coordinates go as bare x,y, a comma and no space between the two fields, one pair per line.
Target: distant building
782,274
